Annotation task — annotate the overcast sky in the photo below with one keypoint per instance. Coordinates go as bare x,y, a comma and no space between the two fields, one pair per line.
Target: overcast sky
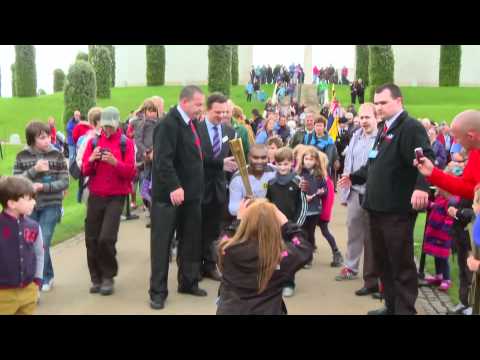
51,57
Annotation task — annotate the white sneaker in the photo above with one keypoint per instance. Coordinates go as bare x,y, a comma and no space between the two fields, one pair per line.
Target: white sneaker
48,286
288,292
467,311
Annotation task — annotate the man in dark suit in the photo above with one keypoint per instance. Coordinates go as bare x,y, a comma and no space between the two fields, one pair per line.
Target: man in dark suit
177,192
214,137
393,188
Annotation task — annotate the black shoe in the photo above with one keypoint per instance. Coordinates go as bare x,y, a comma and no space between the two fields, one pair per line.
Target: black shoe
158,304
107,287
381,311
196,291
213,274
377,296
95,288
366,291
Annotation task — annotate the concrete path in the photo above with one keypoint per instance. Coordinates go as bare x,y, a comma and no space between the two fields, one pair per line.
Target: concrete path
317,291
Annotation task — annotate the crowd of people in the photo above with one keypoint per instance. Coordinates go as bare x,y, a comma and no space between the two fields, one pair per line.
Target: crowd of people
330,75
201,212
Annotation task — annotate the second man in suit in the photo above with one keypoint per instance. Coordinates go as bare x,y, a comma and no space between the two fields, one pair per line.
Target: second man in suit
217,160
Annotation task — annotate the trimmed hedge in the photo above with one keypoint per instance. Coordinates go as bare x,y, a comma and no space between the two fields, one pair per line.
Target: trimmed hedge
361,71
80,89
234,64
25,71
220,68
155,65
381,65
81,56
103,72
58,80
111,48
14,79
450,65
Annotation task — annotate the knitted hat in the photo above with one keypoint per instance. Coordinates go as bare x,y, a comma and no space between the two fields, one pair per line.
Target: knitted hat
110,117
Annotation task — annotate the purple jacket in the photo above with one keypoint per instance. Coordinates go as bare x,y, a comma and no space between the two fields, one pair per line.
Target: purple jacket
21,251
440,154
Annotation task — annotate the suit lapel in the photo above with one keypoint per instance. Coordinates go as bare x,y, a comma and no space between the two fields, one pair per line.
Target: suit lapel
225,146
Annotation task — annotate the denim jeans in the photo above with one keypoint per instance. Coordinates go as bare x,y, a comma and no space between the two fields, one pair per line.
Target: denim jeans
48,218
72,153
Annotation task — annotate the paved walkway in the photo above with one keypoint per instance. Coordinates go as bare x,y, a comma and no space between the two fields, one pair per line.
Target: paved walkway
317,291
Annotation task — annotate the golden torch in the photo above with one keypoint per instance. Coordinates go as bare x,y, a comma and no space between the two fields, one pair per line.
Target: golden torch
236,147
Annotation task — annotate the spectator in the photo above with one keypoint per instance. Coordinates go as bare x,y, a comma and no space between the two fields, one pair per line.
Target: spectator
267,132
255,262
360,91
21,254
257,122
53,131
71,143
46,167
109,161
283,130
353,91
438,149
466,130
358,224
249,91
273,143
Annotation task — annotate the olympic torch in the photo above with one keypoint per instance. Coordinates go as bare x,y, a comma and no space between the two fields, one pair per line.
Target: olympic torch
236,147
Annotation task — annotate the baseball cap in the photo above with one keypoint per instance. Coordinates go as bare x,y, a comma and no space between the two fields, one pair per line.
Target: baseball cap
110,117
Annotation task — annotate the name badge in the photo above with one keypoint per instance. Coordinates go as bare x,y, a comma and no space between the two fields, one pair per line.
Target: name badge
225,139
373,154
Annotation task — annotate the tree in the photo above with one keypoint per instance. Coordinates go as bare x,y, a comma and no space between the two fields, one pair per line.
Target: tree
155,65
361,71
14,80
80,89
450,65
111,48
220,68
58,80
234,64
103,71
82,56
91,53
25,71
381,65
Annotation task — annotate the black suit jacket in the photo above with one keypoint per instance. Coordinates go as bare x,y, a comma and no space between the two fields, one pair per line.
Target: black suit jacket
176,159
214,176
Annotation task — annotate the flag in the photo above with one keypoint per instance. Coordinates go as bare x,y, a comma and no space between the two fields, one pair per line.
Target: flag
333,116
274,95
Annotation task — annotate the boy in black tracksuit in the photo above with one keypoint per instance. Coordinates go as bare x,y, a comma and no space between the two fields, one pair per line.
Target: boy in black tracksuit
284,191
461,243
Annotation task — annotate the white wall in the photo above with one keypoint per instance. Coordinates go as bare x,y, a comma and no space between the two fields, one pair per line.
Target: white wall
131,65
416,65
186,64
470,70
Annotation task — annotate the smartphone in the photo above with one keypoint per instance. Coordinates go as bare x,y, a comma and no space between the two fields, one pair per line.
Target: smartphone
419,154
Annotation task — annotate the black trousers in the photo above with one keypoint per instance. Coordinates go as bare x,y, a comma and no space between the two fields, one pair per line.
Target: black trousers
392,242
212,214
186,220
101,234
461,239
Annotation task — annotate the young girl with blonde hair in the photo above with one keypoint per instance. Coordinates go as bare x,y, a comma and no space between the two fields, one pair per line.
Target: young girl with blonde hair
255,262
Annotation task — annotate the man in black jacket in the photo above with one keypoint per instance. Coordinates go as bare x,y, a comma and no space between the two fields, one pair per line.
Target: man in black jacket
177,192
393,188
217,159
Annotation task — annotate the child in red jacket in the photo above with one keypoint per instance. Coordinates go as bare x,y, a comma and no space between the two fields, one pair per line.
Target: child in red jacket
327,207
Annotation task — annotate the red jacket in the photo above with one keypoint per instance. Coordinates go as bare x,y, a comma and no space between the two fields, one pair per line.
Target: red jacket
105,179
53,134
81,129
464,185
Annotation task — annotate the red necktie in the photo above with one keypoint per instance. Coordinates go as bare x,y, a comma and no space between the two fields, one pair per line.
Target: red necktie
385,129
197,139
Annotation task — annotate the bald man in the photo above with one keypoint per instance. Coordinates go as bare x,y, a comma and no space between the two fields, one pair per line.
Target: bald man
466,130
